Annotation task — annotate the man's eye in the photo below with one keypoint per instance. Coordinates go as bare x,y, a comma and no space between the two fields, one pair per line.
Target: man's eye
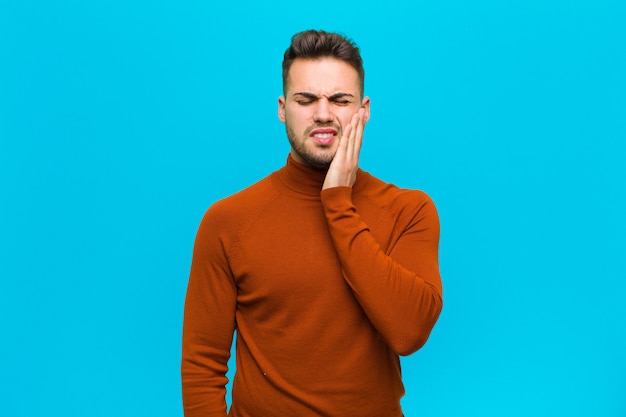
342,102
304,102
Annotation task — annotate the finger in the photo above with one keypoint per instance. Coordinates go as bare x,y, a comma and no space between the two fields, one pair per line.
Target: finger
359,134
354,123
342,147
345,139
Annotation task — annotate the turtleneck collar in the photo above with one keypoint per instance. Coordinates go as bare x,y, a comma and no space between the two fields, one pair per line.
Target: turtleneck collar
308,180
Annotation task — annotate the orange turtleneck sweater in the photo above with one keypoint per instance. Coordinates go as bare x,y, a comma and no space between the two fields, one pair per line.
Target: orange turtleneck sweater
325,289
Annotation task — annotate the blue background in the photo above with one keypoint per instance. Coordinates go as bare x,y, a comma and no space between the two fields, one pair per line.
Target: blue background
122,122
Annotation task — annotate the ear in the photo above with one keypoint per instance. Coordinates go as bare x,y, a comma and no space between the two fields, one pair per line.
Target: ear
281,108
365,104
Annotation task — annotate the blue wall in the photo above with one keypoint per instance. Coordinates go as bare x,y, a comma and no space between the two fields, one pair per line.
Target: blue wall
121,122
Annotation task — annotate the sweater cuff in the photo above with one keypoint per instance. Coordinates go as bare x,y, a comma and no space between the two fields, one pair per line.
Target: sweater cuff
336,197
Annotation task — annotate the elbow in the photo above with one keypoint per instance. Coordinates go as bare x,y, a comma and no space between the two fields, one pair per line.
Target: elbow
413,340
411,343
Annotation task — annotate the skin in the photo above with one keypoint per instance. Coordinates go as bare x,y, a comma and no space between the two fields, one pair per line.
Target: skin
325,117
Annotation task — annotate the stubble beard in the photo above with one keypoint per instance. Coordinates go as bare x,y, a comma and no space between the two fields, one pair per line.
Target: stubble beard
316,158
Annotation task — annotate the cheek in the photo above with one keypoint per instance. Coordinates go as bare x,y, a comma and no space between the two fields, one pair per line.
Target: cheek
346,117
296,116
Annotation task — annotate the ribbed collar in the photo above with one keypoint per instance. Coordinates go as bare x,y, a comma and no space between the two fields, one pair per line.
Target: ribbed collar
307,180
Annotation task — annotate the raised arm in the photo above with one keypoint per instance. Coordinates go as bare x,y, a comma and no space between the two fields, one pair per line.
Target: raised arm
208,325
400,291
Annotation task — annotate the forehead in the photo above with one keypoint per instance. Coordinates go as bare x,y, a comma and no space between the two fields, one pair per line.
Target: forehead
322,76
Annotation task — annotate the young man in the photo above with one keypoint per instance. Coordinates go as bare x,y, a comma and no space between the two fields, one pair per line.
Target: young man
327,273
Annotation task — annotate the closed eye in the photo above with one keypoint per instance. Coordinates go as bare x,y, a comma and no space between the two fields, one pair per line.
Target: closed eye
305,98
339,99
342,99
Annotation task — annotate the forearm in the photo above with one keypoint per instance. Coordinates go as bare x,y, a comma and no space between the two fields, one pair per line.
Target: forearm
208,326
203,373
203,389
400,291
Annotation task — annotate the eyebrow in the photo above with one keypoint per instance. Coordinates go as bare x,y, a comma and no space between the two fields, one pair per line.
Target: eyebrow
314,97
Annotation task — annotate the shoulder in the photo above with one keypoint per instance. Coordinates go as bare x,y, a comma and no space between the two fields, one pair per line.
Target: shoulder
393,198
233,210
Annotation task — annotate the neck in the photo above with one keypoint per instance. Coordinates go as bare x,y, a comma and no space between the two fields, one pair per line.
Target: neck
308,180
302,178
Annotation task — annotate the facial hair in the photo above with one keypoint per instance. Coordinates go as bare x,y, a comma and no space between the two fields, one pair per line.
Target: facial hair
316,158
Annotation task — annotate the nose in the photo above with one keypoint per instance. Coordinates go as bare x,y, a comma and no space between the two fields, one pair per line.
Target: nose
323,111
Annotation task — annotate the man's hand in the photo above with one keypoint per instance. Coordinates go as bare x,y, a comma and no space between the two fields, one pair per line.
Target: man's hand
343,168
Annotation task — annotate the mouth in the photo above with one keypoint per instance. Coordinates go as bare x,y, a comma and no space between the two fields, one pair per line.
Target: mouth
324,136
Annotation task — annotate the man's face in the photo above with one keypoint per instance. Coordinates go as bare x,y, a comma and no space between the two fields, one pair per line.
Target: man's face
321,98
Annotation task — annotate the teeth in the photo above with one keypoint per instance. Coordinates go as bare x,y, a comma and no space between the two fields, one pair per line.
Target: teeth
323,135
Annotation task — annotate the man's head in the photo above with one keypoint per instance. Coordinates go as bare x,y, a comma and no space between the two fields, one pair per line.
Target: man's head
317,44
323,89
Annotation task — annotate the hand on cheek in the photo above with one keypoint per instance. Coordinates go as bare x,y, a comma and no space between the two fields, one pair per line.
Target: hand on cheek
343,168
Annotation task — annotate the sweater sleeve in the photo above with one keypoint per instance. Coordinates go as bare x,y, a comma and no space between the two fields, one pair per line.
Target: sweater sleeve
209,323
400,291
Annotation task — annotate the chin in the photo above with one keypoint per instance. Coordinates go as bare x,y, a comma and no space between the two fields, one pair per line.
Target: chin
322,160
319,161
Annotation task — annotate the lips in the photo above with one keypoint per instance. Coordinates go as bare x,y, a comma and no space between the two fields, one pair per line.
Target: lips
323,136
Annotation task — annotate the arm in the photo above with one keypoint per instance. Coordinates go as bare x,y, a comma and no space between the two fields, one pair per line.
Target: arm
400,292
208,325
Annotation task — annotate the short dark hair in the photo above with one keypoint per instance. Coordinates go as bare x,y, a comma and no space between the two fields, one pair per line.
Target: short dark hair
314,44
